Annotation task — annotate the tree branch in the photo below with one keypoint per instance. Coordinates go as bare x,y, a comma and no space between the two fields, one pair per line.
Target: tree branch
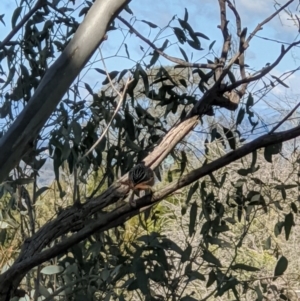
37,6
170,58
32,254
56,82
264,71
260,25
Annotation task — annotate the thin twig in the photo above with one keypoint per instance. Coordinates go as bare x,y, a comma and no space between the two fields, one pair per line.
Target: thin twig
170,58
284,119
122,97
260,25
263,72
37,6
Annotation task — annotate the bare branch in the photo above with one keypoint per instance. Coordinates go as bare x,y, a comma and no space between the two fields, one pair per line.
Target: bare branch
170,58
32,255
237,17
284,119
264,71
260,25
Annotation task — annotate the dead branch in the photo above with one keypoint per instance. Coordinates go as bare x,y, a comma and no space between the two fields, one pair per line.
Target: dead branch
264,71
260,25
237,18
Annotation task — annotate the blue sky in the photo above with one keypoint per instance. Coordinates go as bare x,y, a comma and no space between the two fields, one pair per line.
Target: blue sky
203,17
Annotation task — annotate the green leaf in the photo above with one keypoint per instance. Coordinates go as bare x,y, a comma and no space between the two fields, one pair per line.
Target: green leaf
1,19
43,291
111,75
267,243
192,190
188,298
209,257
183,162
211,278
23,181
129,126
41,191
195,275
186,15
245,267
52,269
185,25
10,76
15,16
195,45
240,116
280,81
127,9
259,294
145,79
211,45
141,276
294,207
76,128
186,253
154,59
202,35
126,49
281,266
230,137
179,34
88,87
183,82
121,75
183,54
152,25
278,228
193,216
164,46
288,224
250,101
272,150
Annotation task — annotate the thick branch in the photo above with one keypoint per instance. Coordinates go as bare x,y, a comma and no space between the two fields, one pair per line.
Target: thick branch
56,82
125,211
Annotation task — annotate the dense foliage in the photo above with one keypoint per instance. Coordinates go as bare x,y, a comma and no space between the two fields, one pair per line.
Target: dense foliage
220,224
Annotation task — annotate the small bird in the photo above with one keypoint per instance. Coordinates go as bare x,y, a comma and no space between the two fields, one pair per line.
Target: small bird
140,177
